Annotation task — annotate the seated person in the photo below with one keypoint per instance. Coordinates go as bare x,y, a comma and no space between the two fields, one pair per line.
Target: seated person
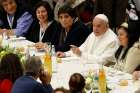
85,12
76,83
100,45
60,90
136,75
14,19
28,83
128,54
45,28
10,70
72,32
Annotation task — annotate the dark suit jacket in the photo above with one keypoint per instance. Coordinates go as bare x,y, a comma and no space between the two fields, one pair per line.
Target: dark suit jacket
51,33
113,9
76,36
26,84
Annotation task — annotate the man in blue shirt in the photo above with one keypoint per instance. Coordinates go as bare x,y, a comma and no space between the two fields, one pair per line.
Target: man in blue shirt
28,83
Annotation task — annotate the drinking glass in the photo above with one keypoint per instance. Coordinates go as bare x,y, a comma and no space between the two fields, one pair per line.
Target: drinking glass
47,58
47,47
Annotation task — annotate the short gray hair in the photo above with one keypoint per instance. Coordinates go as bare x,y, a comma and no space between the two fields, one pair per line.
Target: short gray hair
102,17
33,65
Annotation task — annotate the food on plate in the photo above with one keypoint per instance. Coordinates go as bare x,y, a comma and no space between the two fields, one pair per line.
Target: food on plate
20,49
31,45
123,83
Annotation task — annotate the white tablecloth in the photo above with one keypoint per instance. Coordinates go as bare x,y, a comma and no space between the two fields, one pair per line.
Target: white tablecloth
75,65
71,65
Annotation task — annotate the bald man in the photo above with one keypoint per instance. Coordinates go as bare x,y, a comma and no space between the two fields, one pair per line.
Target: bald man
100,45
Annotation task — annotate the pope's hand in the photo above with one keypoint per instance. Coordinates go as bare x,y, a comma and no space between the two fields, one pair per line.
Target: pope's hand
60,54
75,50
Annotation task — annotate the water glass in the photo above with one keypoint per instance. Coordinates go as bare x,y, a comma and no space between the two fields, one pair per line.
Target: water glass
47,47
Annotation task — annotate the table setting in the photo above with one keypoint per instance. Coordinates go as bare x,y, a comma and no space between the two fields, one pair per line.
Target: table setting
116,81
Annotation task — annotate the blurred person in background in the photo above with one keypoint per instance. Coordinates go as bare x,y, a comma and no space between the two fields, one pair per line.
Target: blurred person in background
10,69
76,83
134,14
85,12
28,4
133,10
28,84
59,3
60,90
115,10
14,19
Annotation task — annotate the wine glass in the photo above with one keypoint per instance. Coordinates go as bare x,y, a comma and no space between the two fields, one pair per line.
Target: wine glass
47,47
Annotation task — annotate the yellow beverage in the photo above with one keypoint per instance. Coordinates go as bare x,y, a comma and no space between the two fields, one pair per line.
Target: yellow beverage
48,63
102,81
59,60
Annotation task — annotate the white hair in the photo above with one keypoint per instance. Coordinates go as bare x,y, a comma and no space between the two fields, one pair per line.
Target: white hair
102,17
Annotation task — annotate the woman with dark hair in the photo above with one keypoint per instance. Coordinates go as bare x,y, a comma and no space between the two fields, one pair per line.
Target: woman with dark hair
76,83
73,32
15,20
10,70
127,57
45,28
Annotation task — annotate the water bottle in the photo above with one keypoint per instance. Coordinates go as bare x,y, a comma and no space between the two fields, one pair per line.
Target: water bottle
54,59
96,84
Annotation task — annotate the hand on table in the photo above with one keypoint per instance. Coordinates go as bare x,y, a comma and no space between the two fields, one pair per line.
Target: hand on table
45,77
60,54
8,32
75,50
39,45
2,31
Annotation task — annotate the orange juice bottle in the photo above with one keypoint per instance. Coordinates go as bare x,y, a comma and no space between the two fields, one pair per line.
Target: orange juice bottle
48,63
102,80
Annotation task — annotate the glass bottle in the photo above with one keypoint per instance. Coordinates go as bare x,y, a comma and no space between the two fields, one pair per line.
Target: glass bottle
102,80
54,59
95,87
47,60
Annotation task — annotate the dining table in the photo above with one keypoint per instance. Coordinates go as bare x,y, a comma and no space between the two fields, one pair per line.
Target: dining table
70,65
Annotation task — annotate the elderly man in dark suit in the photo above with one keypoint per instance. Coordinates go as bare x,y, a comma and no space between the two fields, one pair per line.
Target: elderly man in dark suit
28,83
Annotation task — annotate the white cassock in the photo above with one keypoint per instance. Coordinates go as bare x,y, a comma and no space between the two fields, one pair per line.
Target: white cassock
99,49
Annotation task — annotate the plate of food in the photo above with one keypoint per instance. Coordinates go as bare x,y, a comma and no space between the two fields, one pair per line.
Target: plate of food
20,49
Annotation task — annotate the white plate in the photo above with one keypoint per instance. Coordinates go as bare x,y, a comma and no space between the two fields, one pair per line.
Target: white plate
19,38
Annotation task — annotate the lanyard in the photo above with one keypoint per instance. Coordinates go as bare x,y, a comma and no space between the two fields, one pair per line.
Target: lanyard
42,31
10,21
41,34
